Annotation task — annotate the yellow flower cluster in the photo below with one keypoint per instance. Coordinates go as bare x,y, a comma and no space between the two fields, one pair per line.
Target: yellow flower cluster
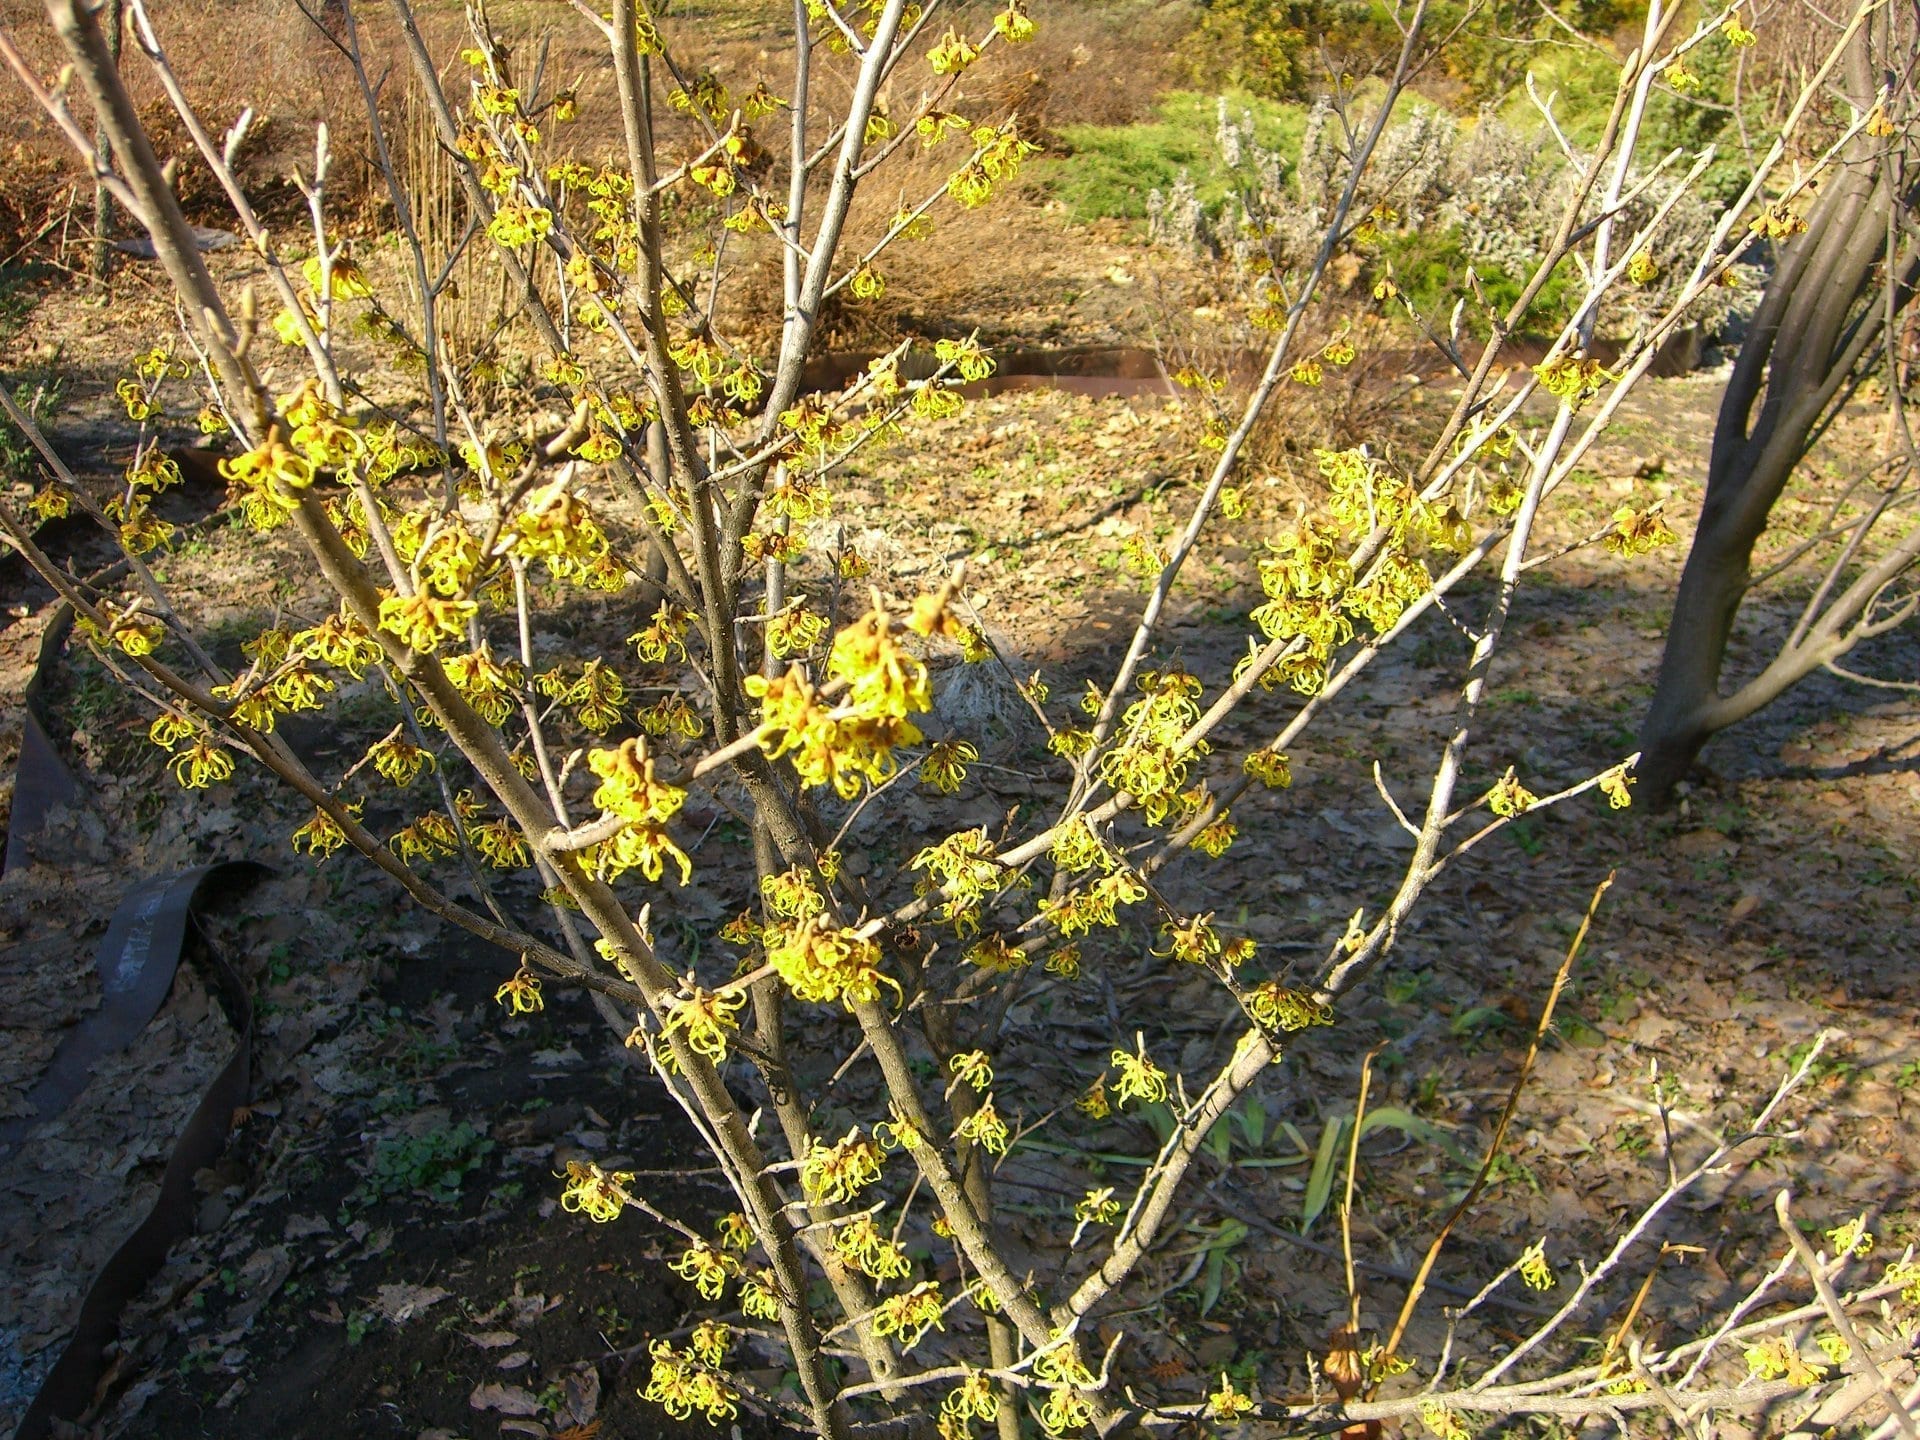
1081,910
320,836
1226,1405
706,1269
854,739
1097,1207
1274,1007
1443,1422
861,1245
972,1399
1001,152
1140,1079
1573,379
596,693
985,1128
629,790
972,1067
836,1174
909,1316
964,870
945,766
341,641
822,962
1779,1358
1509,797
1148,764
1637,532
490,686
705,1019
520,994
598,1194
681,1383
1192,943
1534,1269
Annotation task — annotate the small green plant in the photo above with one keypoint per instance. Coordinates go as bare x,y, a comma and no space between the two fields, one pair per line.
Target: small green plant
1109,170
1830,1067
433,1165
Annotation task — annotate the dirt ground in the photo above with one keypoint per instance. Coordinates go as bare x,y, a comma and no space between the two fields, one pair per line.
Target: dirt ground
380,1251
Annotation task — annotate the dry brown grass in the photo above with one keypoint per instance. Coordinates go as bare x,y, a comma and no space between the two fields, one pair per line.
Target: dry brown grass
230,55
1099,61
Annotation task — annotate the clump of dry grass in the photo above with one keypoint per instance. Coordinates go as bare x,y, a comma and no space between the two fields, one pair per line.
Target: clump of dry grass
231,55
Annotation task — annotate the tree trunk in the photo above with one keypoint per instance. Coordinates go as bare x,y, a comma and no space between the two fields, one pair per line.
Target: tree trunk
1819,329
1711,588
110,25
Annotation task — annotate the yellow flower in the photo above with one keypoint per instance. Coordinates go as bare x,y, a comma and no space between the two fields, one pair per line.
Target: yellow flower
1226,1404
399,760
985,1128
201,764
320,836
1533,1267
1778,1358
1216,838
1851,1238
953,54
521,994
1681,78
1140,1079
1637,532
759,1296
710,1341
735,1232
1193,943
911,1315
169,728
1012,23
1097,1207
1066,1410
900,1133
1614,785
862,1246
1573,379
594,1192
706,1268
681,1383
972,1068
1510,798
423,622
49,503
1442,1421
140,405
945,767
706,1019
795,631
836,1174
426,838
972,1399
1274,1007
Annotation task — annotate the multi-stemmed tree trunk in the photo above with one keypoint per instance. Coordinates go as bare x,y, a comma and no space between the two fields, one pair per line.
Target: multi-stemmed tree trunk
1826,321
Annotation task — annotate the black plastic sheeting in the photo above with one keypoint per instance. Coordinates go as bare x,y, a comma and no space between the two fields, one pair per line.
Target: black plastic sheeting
136,963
